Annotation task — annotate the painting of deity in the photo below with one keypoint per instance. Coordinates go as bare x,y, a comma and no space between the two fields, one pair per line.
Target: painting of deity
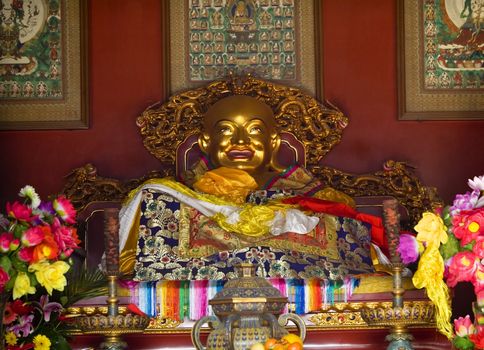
262,38
34,39
441,69
454,44
30,50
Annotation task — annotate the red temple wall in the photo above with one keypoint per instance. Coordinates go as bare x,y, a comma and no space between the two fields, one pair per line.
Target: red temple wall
126,55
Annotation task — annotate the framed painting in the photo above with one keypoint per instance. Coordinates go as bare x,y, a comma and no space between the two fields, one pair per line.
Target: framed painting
43,65
276,40
441,59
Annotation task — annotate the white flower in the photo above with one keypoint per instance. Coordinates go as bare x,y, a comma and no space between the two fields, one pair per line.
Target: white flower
29,192
477,183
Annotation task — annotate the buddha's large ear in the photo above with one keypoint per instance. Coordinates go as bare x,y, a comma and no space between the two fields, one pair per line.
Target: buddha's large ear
275,143
204,142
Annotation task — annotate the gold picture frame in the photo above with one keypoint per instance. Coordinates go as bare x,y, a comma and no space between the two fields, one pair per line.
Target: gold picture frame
436,81
306,42
56,51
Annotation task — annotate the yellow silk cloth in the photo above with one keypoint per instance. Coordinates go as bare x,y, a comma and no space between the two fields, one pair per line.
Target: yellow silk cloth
231,184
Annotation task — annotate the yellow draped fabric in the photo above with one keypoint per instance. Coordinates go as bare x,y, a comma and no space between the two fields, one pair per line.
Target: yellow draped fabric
430,272
231,184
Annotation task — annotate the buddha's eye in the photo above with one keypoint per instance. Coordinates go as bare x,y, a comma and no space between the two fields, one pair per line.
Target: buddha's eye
225,130
255,130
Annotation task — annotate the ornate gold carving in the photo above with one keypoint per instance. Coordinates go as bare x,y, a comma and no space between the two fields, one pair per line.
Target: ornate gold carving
397,179
319,127
349,315
411,313
161,323
84,186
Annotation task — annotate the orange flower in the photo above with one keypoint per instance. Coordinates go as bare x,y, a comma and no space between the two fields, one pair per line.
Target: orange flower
48,249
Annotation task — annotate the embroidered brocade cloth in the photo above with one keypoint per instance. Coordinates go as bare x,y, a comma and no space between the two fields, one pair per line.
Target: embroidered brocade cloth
175,242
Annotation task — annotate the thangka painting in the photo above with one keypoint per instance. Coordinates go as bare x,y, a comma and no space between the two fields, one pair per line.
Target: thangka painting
454,44
441,59
31,50
36,39
259,37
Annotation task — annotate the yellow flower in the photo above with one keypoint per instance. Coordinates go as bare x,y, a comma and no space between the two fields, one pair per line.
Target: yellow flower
41,342
22,286
11,338
431,229
51,276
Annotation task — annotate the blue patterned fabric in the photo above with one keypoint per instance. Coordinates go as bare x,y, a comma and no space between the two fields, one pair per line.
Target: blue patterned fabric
157,256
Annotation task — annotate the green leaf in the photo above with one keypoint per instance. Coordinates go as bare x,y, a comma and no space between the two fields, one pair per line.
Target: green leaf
463,343
450,248
5,263
84,284
19,229
19,265
11,281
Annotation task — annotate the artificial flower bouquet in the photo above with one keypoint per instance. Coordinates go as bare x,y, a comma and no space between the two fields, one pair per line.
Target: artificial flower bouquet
451,243
36,240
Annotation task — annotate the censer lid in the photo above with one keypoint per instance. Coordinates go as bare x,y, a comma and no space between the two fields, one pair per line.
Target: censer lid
248,288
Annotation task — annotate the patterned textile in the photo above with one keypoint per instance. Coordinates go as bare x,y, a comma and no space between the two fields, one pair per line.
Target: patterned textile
162,254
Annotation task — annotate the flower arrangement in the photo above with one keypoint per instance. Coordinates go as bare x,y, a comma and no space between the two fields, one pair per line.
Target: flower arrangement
450,248
36,240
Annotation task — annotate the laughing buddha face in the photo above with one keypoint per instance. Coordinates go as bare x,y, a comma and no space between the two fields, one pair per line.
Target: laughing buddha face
240,132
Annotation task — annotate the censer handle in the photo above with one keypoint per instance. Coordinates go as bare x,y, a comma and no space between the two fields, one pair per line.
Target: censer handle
214,323
298,321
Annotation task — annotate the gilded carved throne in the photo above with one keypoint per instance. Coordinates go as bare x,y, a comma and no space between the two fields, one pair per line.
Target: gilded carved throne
309,130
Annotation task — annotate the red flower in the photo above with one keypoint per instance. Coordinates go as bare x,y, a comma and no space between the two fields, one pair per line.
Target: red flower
21,308
21,347
4,278
26,254
478,340
9,315
20,211
468,225
462,268
478,248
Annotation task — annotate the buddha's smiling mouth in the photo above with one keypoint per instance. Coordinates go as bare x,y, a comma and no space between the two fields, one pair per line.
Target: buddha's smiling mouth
240,153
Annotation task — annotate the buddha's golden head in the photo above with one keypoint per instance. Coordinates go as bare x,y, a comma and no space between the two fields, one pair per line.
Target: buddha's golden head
240,132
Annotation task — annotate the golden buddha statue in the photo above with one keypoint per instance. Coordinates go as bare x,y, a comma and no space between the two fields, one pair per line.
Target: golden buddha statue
240,141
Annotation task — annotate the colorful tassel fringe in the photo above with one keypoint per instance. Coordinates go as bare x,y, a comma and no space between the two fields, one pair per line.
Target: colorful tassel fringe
180,300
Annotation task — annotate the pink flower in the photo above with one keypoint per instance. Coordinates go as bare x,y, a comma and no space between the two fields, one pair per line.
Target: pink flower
408,248
20,211
468,225
478,247
65,210
462,268
23,326
480,298
478,280
65,237
464,327
5,239
26,254
33,236
49,308
4,278
465,201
